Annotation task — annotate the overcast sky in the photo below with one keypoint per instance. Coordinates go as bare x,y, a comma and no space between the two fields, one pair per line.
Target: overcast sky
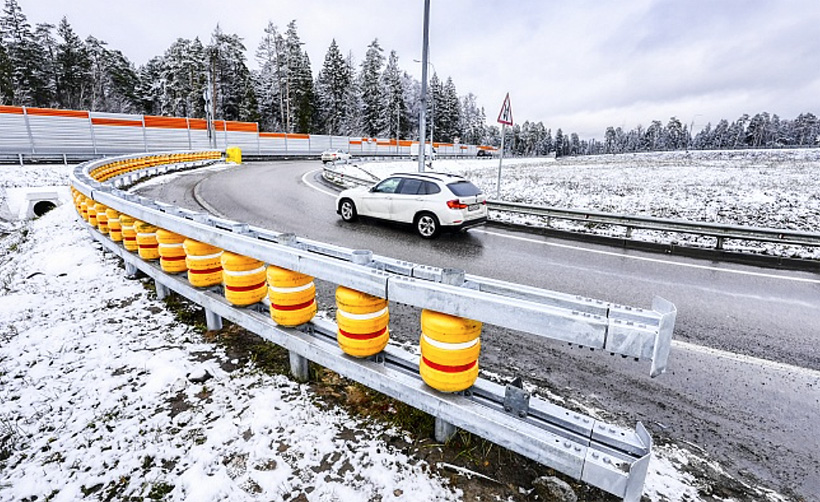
580,65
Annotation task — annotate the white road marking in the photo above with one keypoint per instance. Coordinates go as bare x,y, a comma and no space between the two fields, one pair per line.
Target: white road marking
744,359
306,182
652,260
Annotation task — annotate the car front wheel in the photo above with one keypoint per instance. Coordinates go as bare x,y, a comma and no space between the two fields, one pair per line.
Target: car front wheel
427,225
347,210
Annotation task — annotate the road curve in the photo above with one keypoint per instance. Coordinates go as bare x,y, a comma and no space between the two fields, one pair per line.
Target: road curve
744,373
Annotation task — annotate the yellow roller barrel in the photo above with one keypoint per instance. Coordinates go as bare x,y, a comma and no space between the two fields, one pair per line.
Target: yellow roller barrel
147,245
171,252
203,262
450,347
114,225
129,233
362,322
102,218
292,296
244,279
91,211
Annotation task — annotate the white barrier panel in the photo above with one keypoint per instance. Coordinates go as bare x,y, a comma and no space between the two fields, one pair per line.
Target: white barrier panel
46,131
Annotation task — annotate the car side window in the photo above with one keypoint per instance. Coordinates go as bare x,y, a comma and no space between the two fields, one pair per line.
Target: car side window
429,188
410,187
387,186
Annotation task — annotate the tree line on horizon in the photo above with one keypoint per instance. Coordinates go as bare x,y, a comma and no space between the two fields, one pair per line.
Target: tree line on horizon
51,66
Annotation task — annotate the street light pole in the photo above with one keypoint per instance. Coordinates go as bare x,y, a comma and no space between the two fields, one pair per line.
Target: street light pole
423,111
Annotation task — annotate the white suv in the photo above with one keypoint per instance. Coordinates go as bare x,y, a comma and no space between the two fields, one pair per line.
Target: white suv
429,201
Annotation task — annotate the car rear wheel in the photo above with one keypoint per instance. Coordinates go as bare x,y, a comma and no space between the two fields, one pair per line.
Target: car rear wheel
427,225
347,210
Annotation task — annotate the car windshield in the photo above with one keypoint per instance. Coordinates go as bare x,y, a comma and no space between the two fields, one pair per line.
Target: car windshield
464,189
387,186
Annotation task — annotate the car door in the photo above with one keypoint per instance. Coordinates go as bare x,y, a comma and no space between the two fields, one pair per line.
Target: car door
407,201
376,202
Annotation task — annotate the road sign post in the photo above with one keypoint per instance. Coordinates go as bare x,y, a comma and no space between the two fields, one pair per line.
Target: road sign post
505,118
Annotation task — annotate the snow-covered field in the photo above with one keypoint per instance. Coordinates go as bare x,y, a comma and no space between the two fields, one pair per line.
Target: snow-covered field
102,395
757,188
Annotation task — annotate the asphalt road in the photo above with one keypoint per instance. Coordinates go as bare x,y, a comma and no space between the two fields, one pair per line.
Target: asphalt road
743,382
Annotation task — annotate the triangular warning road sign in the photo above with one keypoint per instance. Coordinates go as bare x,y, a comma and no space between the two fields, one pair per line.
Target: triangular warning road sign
505,115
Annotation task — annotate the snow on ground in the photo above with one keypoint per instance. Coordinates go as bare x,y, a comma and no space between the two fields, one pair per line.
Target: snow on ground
97,392
756,188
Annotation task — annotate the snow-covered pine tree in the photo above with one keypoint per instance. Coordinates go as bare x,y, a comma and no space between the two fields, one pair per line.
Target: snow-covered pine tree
298,79
149,90
269,79
412,99
472,120
73,67
371,90
233,95
44,37
394,108
25,58
332,88
352,122
451,112
184,75
435,107
6,81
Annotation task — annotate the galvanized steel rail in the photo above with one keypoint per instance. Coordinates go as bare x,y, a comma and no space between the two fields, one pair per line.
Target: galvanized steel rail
609,457
718,230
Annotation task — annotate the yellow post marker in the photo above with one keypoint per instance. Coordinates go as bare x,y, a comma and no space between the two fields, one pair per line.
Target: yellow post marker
233,154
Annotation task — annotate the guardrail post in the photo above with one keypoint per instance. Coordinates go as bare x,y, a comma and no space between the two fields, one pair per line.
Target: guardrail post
444,430
130,270
628,232
299,367
213,320
719,244
162,290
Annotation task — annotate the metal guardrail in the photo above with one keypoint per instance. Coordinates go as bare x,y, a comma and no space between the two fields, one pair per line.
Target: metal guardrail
720,231
612,458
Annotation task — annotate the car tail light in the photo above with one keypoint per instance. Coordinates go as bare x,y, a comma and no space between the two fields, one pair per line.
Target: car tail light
455,204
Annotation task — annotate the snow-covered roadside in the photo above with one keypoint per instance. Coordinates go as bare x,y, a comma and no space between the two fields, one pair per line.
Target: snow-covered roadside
97,392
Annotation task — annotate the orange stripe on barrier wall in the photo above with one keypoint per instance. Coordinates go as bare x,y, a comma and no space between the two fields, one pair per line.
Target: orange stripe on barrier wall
242,126
165,122
355,142
51,112
116,122
18,110
279,135
219,125
405,143
198,124
297,136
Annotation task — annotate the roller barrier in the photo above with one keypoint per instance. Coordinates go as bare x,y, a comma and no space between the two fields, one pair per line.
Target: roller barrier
226,267
171,252
244,279
292,296
362,321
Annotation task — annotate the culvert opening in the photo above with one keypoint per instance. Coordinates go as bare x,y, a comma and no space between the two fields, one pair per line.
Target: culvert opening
42,207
